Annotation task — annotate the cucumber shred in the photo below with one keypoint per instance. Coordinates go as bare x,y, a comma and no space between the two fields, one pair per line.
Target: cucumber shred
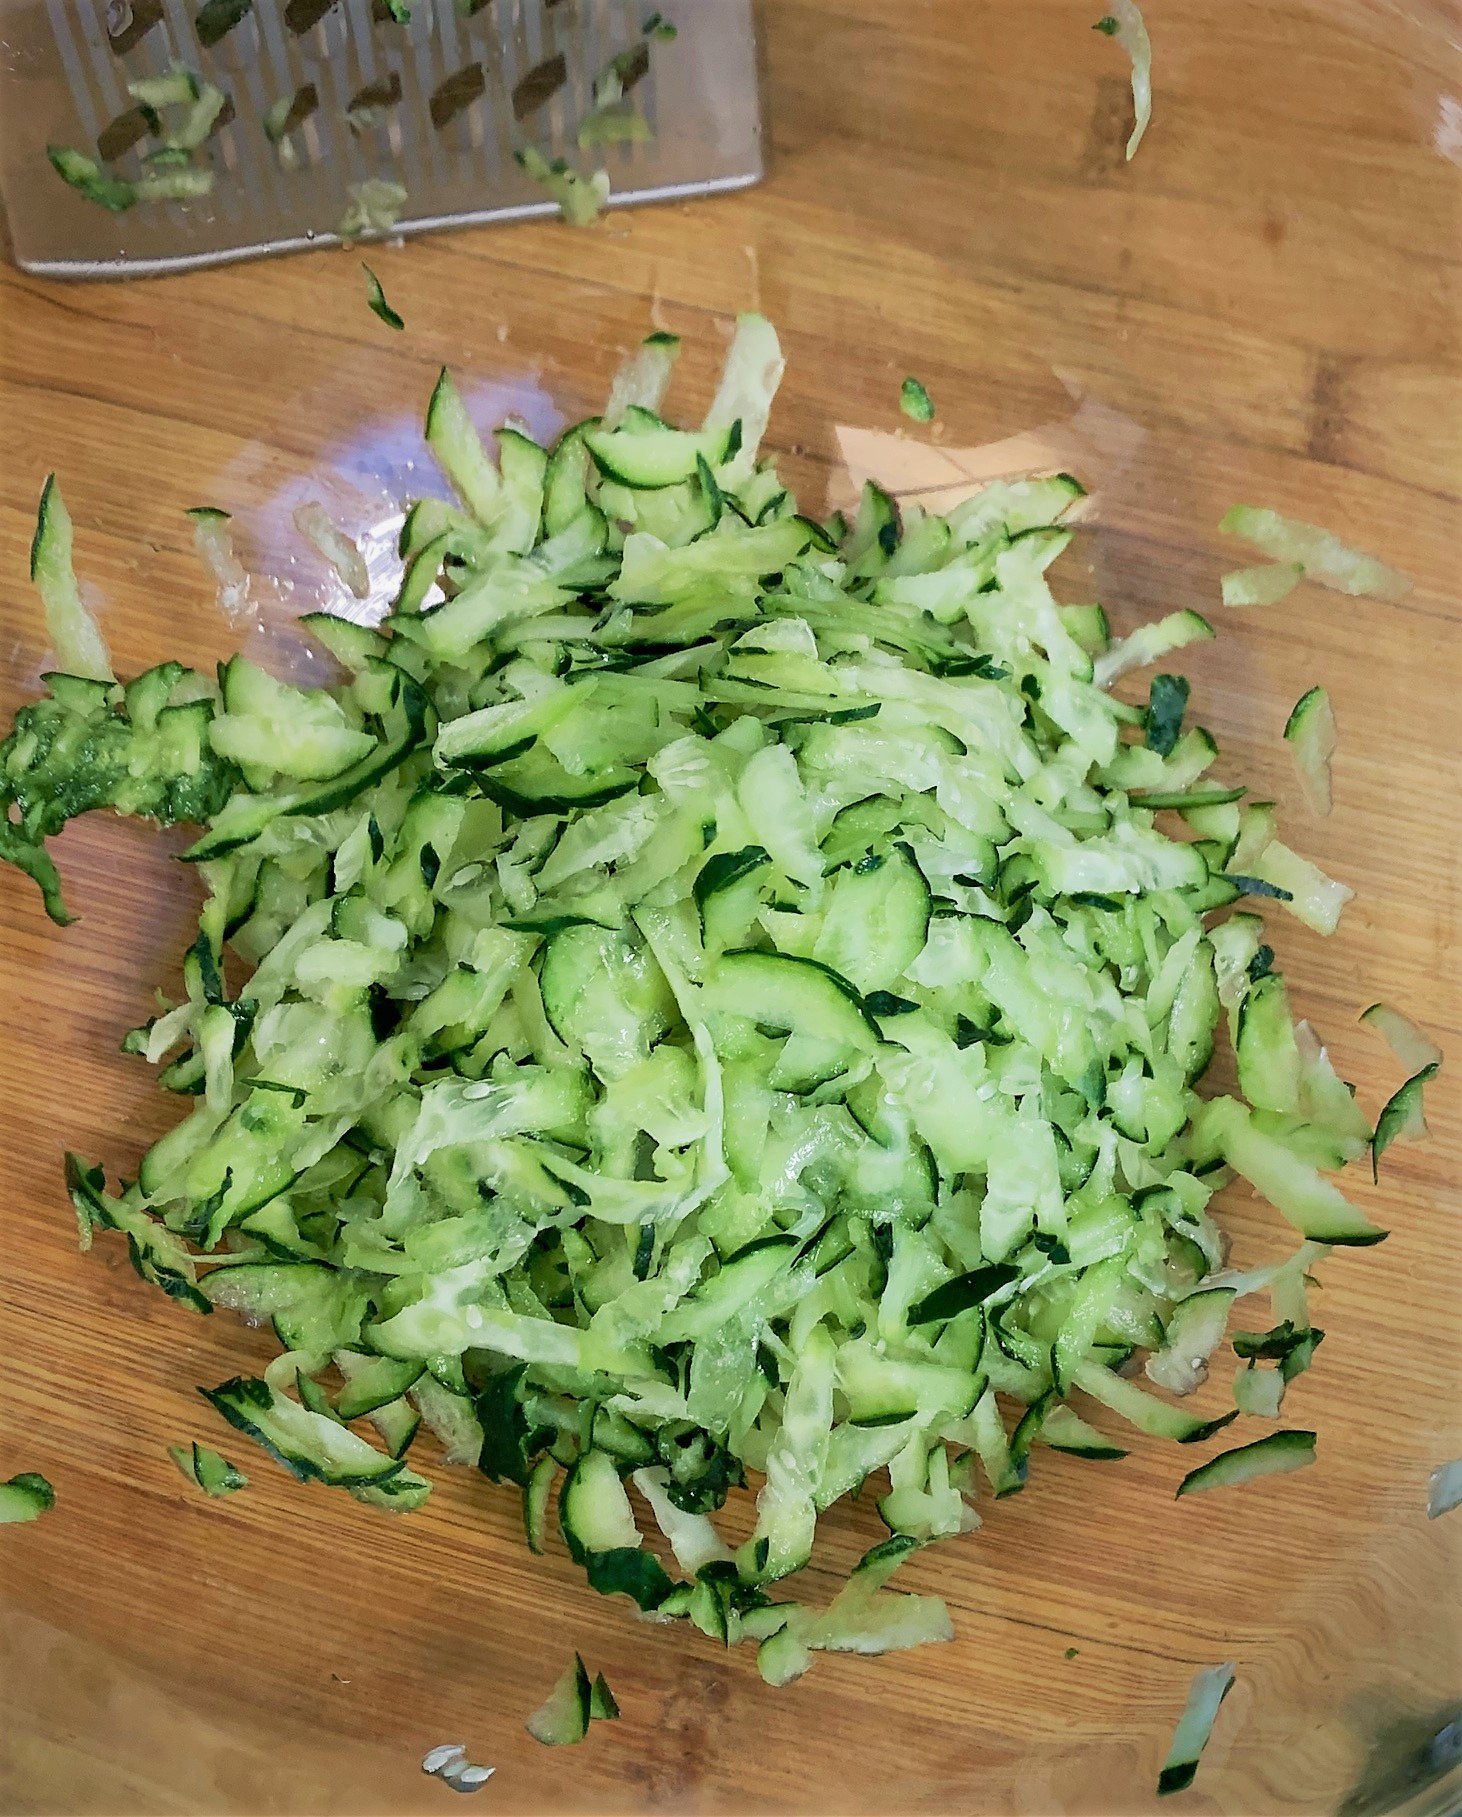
1402,1118
1414,1049
1262,585
915,401
25,1497
1126,24
563,1718
710,993
580,199
641,382
1208,1691
80,646
207,1470
1193,1333
572,1704
1314,552
1310,734
376,300
1444,1489
1270,1456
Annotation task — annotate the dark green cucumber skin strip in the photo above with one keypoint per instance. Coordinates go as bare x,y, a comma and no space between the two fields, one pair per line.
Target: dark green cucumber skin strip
376,300
217,18
966,1290
1397,1113
32,1484
1209,1427
1177,1779
726,868
629,1571
1275,1344
1166,705
1216,1472
1256,886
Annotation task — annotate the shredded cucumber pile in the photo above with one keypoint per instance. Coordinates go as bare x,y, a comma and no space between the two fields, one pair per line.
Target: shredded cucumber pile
714,996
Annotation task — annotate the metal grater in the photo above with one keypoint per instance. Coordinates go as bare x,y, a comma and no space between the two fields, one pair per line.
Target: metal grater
476,79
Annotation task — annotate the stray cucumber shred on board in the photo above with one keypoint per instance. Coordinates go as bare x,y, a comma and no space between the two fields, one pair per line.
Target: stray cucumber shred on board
726,999
207,1470
571,1706
1300,549
1208,1691
25,1498
1126,24
915,401
376,300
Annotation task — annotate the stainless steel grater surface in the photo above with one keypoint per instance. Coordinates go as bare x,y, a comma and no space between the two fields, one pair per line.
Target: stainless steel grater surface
437,105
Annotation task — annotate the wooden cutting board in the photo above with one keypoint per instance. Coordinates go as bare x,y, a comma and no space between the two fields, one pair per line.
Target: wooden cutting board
1262,307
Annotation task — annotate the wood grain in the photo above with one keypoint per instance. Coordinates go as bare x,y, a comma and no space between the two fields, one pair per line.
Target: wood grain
1264,306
